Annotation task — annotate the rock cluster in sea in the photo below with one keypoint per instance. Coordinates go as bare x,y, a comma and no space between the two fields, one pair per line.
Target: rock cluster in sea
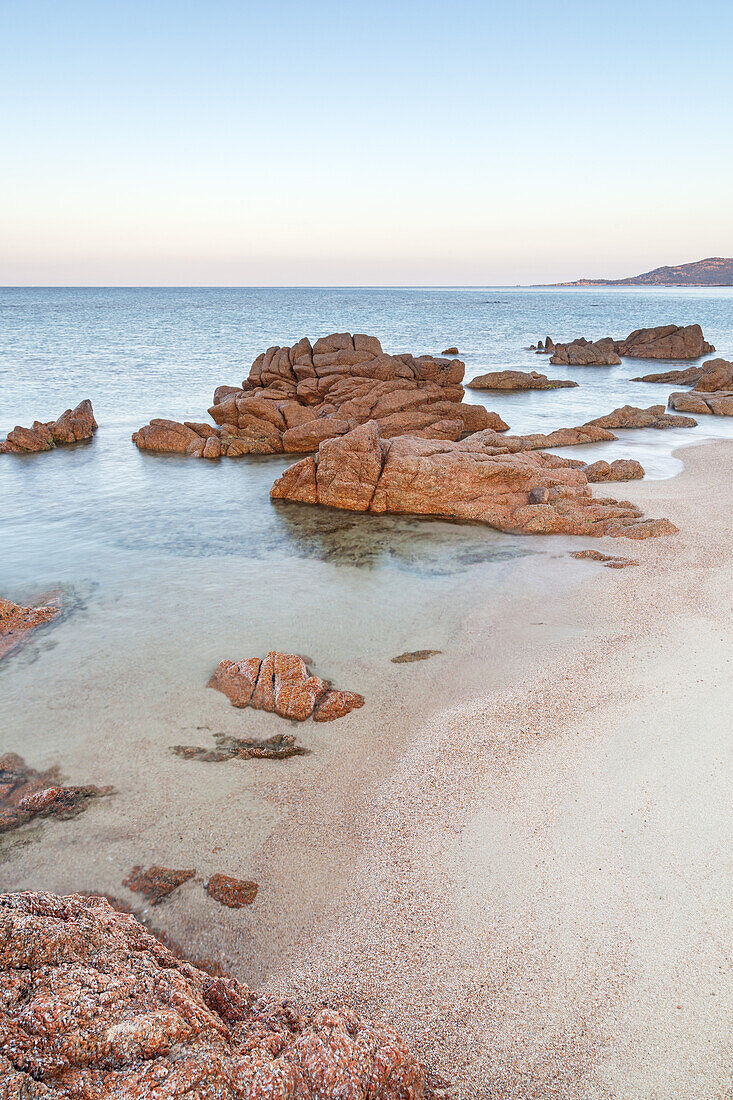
281,684
663,342
73,426
296,397
93,1005
712,392
536,493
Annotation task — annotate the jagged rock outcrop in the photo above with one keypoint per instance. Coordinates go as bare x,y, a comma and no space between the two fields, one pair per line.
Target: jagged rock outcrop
296,397
715,404
716,377
73,426
585,353
521,492
494,443
630,417
281,684
516,380
26,794
17,623
94,1006
665,342
687,377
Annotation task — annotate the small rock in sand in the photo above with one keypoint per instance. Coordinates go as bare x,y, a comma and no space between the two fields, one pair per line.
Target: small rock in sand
232,892
415,655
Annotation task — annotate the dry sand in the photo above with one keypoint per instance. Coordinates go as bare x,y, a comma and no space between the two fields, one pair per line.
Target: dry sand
518,852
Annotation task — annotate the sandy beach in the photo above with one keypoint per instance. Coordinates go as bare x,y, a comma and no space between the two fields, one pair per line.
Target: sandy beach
517,853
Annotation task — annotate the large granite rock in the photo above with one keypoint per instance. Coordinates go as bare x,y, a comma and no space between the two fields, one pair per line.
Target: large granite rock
294,398
630,417
516,380
585,353
702,404
282,684
665,342
528,492
687,377
716,377
94,1006
73,426
17,623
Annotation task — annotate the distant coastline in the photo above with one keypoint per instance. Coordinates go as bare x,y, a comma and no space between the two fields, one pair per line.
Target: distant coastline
714,271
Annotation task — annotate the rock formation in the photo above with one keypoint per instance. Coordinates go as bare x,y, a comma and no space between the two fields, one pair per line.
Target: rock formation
26,794
716,377
521,492
687,377
73,426
280,747
712,392
281,684
516,380
585,353
94,1006
156,883
450,351
232,892
494,443
609,561
665,342
17,623
621,469
630,417
294,398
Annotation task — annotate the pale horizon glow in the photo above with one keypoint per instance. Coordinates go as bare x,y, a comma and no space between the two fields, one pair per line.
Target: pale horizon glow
414,144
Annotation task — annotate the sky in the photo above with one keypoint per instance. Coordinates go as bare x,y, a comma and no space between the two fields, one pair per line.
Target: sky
373,143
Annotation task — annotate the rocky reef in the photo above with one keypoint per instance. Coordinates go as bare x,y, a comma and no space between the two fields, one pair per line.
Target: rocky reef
281,684
17,623
94,1006
517,380
296,397
73,426
535,493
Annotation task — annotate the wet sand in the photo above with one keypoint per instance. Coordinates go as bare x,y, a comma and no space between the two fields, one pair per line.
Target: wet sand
516,852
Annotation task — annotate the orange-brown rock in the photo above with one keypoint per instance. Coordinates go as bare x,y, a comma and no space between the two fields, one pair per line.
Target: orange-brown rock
450,351
717,404
621,469
516,380
687,377
295,398
73,426
156,883
716,377
281,684
630,417
584,353
95,1007
665,342
17,623
232,892
527,492
493,443
26,794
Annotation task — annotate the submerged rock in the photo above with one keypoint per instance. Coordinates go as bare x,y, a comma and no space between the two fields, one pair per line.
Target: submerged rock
26,794
280,747
665,342
73,426
232,892
156,883
516,380
522,492
281,683
294,398
94,1006
415,655
17,623
609,560
630,417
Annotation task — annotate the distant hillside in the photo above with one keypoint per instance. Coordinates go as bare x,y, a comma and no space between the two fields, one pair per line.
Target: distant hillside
715,271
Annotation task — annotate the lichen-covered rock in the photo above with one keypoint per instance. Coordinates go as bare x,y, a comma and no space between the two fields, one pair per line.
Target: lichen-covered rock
281,684
630,417
516,380
73,426
17,623
536,493
585,353
94,1006
665,342
295,398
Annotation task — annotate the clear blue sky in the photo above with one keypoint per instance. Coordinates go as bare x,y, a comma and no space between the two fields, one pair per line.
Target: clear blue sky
375,143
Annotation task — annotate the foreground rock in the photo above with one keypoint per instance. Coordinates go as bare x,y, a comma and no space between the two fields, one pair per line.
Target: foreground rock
26,794
665,342
282,684
296,397
516,380
630,417
520,492
73,426
17,623
94,1006
585,353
